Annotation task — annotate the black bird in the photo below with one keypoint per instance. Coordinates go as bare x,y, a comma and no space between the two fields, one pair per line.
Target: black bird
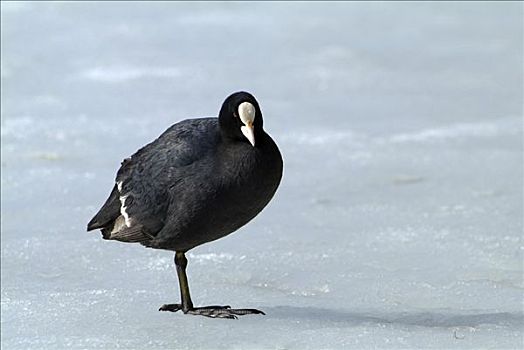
201,180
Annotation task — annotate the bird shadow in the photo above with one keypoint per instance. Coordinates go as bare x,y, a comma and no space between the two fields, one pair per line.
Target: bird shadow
422,319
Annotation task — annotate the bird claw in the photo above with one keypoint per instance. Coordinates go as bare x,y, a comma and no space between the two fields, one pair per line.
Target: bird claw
170,307
213,311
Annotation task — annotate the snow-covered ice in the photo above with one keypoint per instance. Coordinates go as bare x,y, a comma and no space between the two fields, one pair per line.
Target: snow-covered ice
399,222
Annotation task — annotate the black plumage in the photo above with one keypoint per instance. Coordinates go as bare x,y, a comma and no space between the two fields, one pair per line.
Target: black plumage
202,179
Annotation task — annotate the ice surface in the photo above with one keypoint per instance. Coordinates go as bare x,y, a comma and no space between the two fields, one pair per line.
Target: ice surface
399,221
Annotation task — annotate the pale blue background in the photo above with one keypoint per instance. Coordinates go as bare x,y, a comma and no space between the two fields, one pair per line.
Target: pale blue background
399,220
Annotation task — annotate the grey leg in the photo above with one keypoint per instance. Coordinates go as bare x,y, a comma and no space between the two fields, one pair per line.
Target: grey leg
214,311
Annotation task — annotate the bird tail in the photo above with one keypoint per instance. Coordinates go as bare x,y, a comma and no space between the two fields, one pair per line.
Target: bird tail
119,231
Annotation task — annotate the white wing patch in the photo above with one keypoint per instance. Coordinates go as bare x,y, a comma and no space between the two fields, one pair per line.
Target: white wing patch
127,218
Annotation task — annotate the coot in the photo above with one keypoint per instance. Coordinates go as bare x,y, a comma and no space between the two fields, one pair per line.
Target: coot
201,180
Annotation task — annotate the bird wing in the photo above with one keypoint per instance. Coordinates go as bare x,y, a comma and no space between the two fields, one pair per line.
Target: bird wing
108,213
137,206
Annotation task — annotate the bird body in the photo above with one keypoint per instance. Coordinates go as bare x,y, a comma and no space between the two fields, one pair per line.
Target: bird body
174,189
201,180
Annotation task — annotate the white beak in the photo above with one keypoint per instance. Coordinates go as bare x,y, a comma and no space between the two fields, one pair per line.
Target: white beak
249,133
246,112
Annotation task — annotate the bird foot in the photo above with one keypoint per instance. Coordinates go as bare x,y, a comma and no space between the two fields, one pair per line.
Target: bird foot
213,311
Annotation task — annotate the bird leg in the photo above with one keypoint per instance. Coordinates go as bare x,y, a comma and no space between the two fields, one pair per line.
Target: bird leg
213,311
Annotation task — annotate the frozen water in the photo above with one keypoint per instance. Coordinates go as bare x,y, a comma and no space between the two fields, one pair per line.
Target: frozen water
399,221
